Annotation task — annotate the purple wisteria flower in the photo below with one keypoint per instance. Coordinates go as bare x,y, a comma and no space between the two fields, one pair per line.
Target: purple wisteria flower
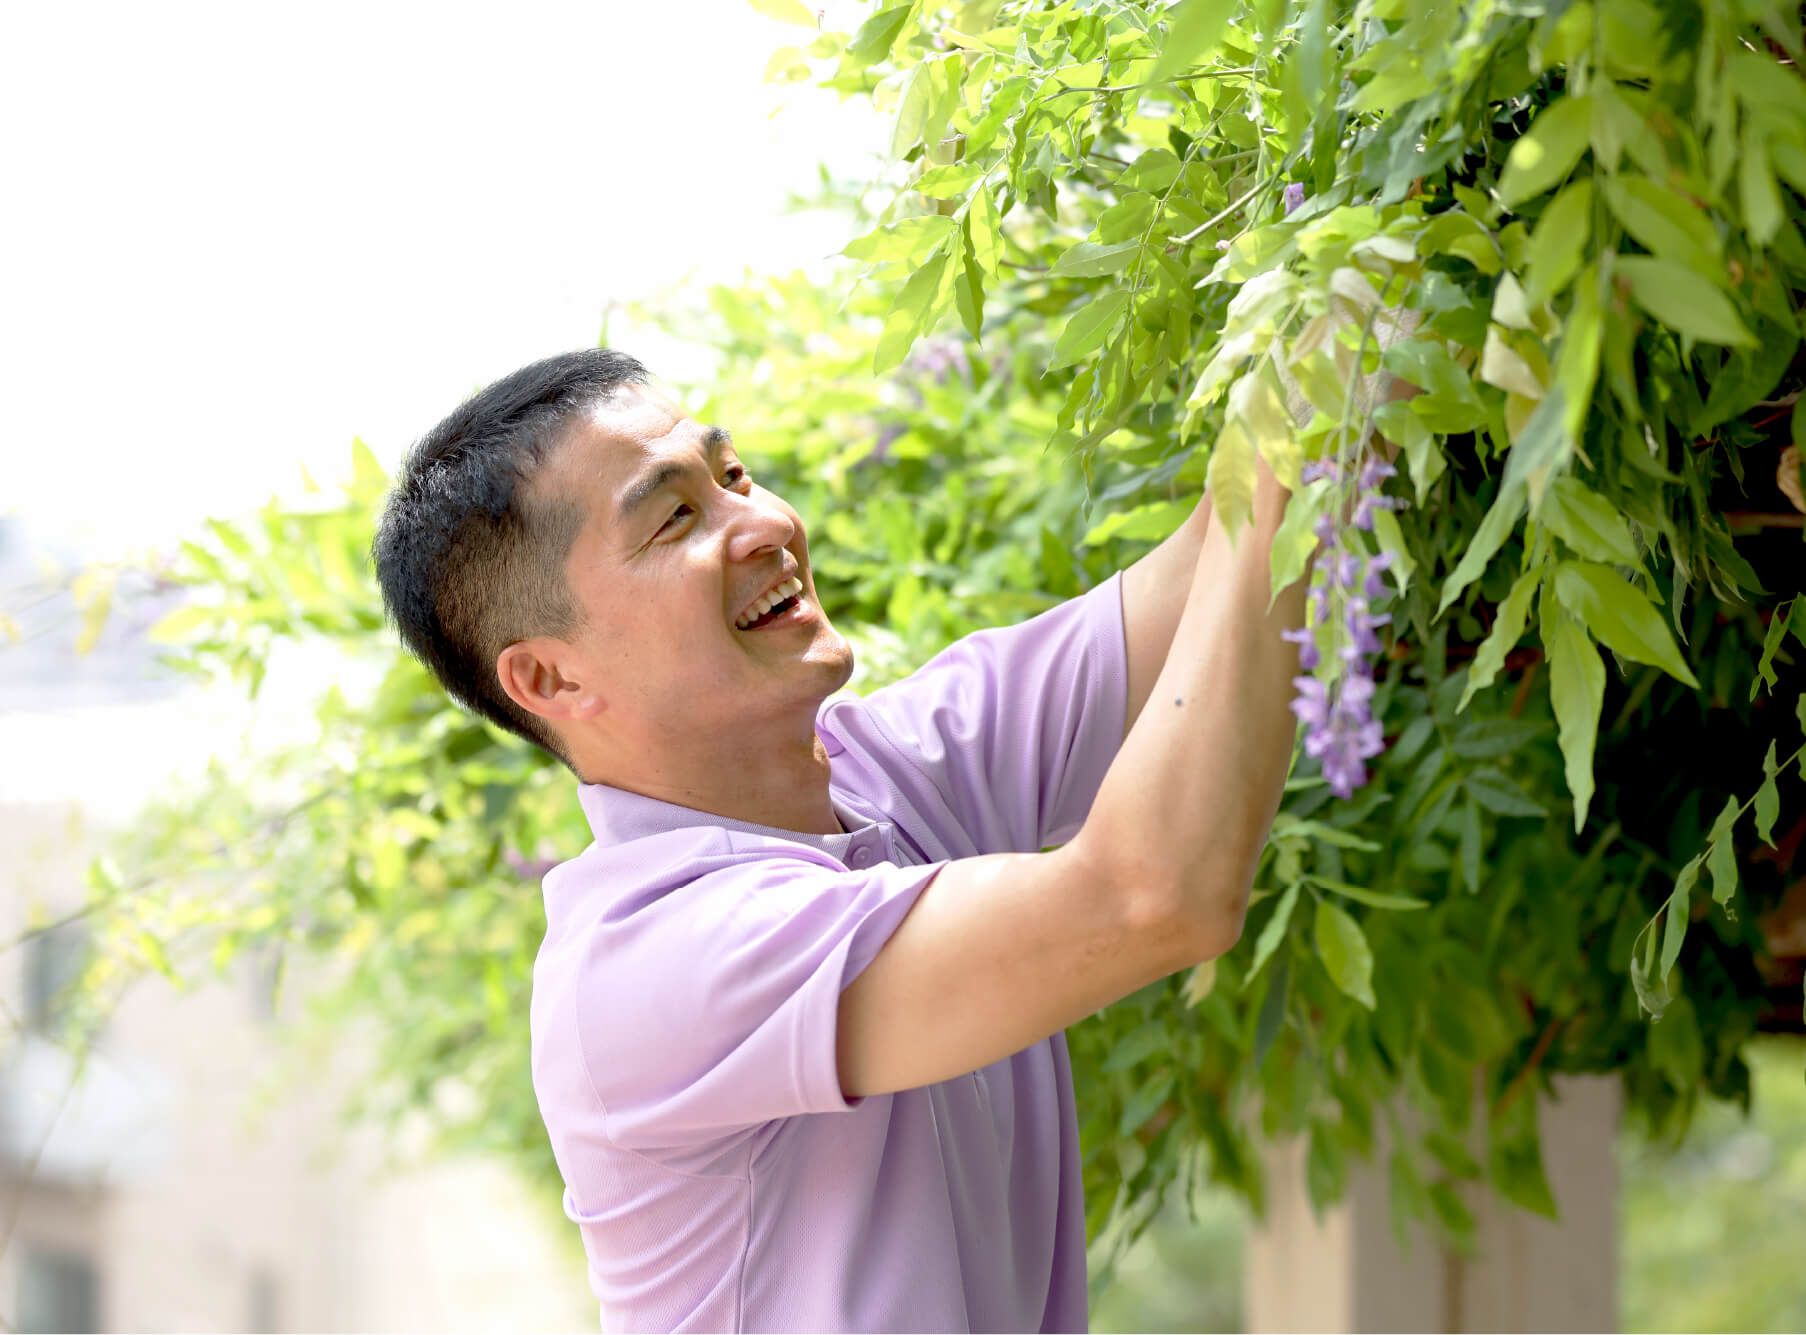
1293,195
1340,730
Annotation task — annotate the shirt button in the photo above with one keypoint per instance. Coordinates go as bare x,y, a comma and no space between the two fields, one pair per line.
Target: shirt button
862,857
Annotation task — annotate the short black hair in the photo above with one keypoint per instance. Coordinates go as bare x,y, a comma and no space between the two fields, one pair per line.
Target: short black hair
469,558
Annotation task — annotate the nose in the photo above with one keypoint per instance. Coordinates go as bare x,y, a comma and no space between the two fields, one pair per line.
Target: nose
760,526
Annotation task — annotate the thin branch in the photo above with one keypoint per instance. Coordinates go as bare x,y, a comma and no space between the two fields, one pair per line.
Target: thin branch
1156,83
1209,223
1543,1043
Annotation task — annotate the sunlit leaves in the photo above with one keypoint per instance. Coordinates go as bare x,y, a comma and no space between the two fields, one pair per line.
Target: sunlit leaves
1193,28
1548,152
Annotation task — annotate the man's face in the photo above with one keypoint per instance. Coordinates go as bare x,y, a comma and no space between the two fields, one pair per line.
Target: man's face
678,545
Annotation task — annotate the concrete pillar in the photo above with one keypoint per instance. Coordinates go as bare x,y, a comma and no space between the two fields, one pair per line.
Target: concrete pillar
1346,1272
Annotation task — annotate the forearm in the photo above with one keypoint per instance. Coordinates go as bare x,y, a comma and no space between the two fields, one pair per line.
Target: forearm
1187,803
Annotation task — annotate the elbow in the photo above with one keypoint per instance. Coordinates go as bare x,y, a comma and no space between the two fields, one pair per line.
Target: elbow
1210,911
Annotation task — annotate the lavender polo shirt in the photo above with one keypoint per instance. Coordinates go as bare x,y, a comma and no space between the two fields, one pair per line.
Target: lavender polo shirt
685,1002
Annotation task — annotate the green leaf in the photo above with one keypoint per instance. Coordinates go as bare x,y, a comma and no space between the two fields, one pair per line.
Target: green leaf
902,242
1346,956
969,295
785,11
1274,932
1559,242
1287,826
1768,799
1500,520
1325,1168
1088,259
1145,523
1144,1041
1507,630
1684,301
1515,1164
1674,922
910,316
1777,631
1231,477
877,35
913,106
1471,835
1295,540
1144,1103
1548,151
1581,518
1667,224
1620,616
1494,737
949,181
1500,795
1193,29
986,230
1756,189
1088,327
1721,852
1577,690
1371,897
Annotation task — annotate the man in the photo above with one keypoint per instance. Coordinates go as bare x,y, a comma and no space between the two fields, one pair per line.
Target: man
798,1016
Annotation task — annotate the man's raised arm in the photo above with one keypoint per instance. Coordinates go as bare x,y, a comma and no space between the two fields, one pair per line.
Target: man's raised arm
1003,950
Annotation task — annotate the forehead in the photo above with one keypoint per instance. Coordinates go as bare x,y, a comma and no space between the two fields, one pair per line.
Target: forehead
614,441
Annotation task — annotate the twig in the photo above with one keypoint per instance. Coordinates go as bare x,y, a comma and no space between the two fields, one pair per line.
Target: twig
1523,694
1543,1043
1209,223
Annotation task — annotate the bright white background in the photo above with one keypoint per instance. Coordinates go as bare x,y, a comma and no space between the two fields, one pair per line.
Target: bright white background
239,235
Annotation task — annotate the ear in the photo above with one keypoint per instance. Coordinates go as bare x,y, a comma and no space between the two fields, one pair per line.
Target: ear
543,676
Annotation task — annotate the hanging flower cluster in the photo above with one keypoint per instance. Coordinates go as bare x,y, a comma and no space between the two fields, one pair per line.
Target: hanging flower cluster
1340,730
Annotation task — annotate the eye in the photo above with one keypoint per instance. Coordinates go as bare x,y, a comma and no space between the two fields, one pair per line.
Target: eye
676,515
735,475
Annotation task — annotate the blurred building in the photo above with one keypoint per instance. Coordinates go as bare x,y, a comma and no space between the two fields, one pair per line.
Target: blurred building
172,1179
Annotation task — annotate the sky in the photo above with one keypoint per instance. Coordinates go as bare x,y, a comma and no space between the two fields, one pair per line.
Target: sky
241,235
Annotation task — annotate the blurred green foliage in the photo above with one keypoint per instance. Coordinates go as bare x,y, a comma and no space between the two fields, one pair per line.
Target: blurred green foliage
1710,1228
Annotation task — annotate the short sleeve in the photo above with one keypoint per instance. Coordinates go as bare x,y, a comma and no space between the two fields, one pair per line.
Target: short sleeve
1014,727
715,1006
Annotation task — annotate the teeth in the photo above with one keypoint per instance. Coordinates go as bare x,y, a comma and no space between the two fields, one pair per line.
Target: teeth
788,589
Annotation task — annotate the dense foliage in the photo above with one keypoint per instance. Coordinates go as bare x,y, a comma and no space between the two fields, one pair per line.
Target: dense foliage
1124,248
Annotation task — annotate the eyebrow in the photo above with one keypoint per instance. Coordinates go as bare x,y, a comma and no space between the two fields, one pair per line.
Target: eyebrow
714,441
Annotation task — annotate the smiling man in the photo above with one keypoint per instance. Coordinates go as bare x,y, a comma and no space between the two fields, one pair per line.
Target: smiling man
797,1021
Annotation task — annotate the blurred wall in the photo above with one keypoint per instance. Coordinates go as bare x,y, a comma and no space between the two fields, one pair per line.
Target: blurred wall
150,1190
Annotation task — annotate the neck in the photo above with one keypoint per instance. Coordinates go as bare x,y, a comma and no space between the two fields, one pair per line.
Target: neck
777,776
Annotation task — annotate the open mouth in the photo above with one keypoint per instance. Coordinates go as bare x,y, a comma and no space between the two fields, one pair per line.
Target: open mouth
773,606
777,611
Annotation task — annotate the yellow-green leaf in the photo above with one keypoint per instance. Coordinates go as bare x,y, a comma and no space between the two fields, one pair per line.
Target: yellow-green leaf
1193,29
1577,689
1088,327
1507,629
1620,616
785,11
1548,151
1684,301
1581,518
1559,241
1346,956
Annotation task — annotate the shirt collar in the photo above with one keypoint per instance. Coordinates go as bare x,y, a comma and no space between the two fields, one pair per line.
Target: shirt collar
618,816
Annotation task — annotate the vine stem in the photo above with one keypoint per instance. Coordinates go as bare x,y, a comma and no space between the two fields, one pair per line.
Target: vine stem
1209,223
1544,1042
